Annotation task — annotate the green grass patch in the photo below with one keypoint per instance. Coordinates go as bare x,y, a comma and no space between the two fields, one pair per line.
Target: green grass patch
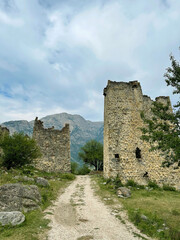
161,207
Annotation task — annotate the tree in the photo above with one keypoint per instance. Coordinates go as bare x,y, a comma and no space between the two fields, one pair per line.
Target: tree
92,153
162,131
18,150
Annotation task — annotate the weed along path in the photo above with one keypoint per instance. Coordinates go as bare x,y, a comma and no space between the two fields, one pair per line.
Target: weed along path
80,215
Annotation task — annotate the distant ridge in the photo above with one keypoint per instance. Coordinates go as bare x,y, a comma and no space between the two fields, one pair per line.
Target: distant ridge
81,130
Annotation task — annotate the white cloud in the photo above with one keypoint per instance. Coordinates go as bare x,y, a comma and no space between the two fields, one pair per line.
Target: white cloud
15,22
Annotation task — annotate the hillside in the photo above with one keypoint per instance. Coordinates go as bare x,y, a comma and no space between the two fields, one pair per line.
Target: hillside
81,130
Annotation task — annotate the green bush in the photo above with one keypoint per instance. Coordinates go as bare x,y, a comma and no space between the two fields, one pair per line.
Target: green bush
83,170
131,183
68,176
18,150
117,182
74,167
153,185
108,180
168,188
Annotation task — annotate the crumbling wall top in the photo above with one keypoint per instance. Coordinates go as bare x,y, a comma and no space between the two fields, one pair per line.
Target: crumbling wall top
163,99
113,84
4,130
38,126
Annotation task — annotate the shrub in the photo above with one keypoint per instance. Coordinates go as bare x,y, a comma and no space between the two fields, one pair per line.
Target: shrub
74,167
83,170
18,150
117,182
168,188
68,176
153,185
108,180
131,183
44,197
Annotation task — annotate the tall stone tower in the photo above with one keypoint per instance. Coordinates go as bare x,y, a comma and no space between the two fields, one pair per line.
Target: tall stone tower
125,154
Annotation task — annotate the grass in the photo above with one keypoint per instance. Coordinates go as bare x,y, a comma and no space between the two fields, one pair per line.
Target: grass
35,224
162,208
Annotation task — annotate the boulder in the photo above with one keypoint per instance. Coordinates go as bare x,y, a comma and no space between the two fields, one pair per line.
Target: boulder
26,179
143,217
14,218
19,197
123,192
42,182
23,178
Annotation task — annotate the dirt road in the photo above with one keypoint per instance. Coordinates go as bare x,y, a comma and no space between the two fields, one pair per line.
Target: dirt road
80,215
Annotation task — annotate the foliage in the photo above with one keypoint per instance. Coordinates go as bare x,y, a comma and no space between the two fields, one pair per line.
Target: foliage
18,150
168,188
68,176
131,183
83,170
74,167
92,153
117,182
162,131
153,185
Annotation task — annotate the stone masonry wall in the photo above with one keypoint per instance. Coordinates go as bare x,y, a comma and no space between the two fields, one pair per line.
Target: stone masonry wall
54,146
125,153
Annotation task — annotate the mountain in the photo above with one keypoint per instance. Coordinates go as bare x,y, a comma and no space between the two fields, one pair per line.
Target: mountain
81,130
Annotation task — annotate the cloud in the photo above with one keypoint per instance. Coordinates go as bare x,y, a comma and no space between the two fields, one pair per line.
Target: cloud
58,55
15,22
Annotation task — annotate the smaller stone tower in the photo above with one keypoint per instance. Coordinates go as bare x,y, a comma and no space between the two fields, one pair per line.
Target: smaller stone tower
3,132
54,146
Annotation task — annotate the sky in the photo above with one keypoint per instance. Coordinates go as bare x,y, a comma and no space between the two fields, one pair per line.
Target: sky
57,55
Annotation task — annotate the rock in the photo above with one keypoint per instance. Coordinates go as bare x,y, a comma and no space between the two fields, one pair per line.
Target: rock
17,177
19,197
42,182
123,192
143,217
14,218
23,178
26,179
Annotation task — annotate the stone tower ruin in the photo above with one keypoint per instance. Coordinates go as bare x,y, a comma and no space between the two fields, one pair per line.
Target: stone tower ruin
55,147
3,132
125,154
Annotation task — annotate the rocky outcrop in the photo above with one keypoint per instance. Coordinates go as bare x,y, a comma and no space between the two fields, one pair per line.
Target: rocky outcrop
19,197
123,192
42,182
13,218
24,178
